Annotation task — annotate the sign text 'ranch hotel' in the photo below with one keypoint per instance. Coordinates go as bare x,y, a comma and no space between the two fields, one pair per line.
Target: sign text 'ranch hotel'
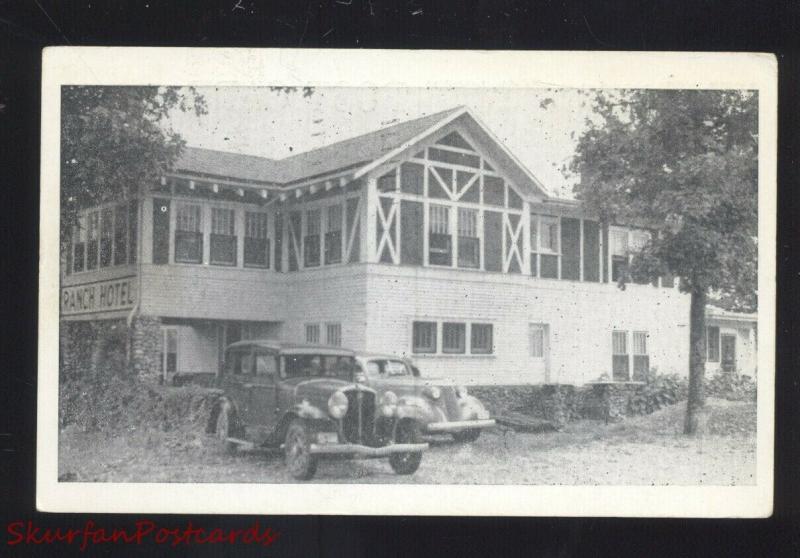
102,296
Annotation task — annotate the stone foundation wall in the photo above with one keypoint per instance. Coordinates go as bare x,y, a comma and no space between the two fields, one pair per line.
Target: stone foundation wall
146,347
557,404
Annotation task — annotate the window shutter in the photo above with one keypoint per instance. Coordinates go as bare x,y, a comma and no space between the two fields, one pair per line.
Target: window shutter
591,251
570,249
605,253
412,229
160,231
493,240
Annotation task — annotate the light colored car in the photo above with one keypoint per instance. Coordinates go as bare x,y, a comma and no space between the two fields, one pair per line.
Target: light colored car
436,404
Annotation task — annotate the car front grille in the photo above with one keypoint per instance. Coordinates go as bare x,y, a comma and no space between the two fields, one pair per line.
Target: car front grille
358,423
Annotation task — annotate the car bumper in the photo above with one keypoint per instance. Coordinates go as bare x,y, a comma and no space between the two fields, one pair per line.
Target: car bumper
459,426
365,451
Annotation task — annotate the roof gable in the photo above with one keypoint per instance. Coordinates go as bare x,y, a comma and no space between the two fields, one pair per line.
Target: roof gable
364,153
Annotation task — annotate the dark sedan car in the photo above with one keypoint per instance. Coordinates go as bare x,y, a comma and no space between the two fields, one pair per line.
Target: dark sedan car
305,399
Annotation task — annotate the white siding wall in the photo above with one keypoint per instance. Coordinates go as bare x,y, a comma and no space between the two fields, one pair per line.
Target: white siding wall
197,348
328,294
581,317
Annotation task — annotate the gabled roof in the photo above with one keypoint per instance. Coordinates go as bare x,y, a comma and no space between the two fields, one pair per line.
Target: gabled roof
361,153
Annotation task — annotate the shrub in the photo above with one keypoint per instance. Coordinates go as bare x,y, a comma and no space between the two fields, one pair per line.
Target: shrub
658,390
731,386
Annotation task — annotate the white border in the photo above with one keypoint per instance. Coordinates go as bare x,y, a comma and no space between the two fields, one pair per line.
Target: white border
375,68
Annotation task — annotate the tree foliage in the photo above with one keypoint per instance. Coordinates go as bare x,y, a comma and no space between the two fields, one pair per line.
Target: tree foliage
685,164
115,139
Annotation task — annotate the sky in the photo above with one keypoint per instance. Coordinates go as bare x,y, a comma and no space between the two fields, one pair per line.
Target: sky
542,134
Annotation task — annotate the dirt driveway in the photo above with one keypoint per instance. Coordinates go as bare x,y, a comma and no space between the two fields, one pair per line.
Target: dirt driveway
639,451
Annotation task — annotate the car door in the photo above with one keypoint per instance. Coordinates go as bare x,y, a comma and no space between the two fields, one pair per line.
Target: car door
236,379
263,392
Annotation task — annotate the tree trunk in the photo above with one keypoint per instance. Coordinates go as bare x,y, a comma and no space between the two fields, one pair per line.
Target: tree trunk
697,360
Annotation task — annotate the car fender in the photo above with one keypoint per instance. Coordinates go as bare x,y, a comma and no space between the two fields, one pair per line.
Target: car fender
306,410
419,409
222,403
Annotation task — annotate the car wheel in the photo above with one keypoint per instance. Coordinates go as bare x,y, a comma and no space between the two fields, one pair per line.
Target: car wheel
467,435
223,430
301,463
408,462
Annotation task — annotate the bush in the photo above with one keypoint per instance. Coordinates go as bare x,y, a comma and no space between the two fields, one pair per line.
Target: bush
731,386
112,403
658,391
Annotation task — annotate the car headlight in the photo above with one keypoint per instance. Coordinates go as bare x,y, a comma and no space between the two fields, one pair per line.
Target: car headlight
337,404
461,392
388,403
434,392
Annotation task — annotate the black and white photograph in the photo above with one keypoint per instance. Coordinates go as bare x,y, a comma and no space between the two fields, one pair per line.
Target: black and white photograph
495,286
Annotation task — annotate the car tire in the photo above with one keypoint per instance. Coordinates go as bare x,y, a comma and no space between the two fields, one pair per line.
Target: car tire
406,463
224,428
300,462
466,436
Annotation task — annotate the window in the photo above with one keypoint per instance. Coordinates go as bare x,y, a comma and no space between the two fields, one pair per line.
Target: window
333,235
79,245
333,335
619,253
440,250
92,246
189,234
712,343
120,235
641,359
223,236
256,243
454,338
544,246
481,339
266,365
494,191
312,333
169,351
311,238
241,363
388,182
469,244
620,359
424,337
106,236
537,340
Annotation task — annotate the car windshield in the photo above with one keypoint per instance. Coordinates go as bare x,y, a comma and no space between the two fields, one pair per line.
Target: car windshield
318,366
388,367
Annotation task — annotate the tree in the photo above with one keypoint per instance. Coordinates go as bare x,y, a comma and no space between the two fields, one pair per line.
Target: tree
685,164
114,140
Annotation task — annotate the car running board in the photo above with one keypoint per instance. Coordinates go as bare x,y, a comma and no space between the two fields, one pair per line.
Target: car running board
242,444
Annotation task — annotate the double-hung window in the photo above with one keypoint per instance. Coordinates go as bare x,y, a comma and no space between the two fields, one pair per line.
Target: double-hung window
712,343
469,244
545,236
121,234
256,243
312,333
454,338
92,247
333,334
311,238
641,358
79,245
620,358
106,236
440,249
619,253
481,342
223,236
333,235
424,335
189,233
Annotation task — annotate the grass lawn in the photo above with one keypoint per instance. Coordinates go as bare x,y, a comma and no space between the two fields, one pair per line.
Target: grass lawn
647,450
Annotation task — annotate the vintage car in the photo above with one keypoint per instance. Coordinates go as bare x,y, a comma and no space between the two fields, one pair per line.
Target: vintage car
440,406
305,399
